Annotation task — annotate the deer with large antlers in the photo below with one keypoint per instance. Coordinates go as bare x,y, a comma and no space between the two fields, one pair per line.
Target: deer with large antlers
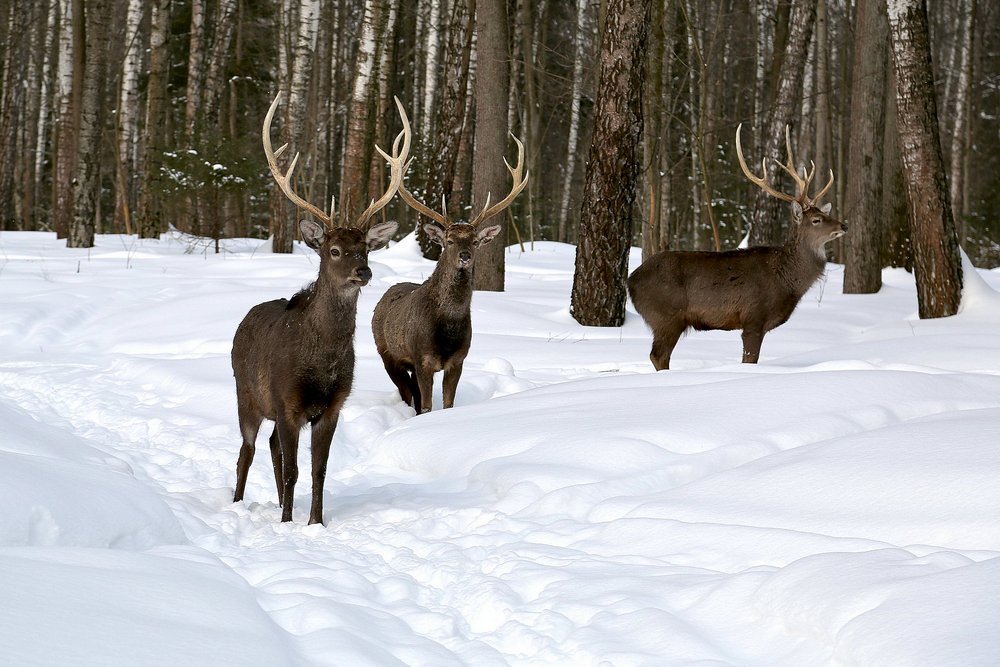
294,358
754,289
422,329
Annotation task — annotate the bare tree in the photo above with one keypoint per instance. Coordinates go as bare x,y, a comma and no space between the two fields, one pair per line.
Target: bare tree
581,45
937,265
863,206
598,297
150,214
488,173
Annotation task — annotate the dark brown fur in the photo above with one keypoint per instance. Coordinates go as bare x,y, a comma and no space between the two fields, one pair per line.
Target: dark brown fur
754,290
422,329
294,361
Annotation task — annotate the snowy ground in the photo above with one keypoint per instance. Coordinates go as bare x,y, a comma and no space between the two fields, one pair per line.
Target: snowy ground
836,504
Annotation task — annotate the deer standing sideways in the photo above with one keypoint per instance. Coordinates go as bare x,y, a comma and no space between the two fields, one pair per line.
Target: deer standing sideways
754,289
422,329
294,359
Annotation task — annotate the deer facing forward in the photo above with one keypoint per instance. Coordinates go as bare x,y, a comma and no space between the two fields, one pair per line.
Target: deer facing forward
294,359
422,329
754,289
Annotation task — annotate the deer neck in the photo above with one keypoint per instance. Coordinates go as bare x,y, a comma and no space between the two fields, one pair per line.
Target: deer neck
451,290
330,310
801,263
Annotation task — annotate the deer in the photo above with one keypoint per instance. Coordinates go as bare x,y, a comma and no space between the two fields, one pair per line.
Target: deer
421,329
293,359
753,289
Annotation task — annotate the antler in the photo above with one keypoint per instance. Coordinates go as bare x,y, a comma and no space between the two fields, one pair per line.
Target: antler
411,201
802,184
397,165
515,190
284,179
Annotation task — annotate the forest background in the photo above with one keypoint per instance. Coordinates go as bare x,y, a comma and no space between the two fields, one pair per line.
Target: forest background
140,116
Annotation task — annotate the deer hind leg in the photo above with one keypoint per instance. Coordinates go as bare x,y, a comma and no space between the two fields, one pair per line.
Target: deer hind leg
276,463
249,426
664,340
401,378
752,339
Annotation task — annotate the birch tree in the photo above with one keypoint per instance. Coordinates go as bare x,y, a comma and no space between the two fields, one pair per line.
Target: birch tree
150,213
936,263
126,167
581,44
959,132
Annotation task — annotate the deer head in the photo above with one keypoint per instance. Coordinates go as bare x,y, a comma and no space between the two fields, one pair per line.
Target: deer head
810,218
459,240
343,248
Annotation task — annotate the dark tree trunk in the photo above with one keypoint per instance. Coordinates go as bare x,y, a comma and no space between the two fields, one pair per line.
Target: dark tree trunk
598,297
489,175
150,214
770,213
863,205
936,260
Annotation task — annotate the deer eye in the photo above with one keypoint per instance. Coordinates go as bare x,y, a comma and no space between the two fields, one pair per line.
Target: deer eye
335,252
816,221
450,242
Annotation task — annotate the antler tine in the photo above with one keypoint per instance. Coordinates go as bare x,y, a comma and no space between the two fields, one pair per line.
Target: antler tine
518,185
826,189
759,181
396,166
284,179
411,201
802,197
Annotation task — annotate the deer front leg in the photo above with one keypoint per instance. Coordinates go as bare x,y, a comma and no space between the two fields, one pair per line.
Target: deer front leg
288,437
752,339
322,435
424,372
449,386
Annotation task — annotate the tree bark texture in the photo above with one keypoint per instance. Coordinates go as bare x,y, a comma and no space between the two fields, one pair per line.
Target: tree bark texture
150,214
489,175
863,204
598,297
769,212
936,260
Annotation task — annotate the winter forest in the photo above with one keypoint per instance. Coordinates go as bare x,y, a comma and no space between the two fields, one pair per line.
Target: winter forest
138,116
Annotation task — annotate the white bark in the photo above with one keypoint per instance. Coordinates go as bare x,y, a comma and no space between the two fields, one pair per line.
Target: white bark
305,47
128,111
433,42
958,134
64,71
580,47
196,62
43,111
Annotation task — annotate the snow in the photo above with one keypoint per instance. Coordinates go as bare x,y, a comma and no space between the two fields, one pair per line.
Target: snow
834,504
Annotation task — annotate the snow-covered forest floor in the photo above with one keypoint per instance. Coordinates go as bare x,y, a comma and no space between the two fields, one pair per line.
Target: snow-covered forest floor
836,504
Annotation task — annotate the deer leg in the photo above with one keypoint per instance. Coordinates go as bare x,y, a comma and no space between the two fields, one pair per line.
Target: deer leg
450,384
322,435
401,378
664,341
752,338
276,461
288,437
249,426
425,386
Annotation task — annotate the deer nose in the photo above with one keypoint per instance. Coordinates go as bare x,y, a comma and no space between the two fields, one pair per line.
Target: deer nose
363,273
465,256
843,226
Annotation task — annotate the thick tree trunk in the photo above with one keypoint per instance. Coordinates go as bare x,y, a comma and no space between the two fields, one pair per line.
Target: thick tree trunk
354,176
150,213
937,264
489,175
598,297
769,212
70,95
86,181
863,204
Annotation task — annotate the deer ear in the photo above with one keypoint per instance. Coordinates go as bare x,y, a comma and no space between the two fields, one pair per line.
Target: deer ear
312,233
797,210
434,233
826,208
487,234
379,235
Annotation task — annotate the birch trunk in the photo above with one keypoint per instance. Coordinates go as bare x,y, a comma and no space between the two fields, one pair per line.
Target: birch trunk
959,147
432,46
581,51
150,213
354,174
68,113
218,59
936,262
195,67
128,118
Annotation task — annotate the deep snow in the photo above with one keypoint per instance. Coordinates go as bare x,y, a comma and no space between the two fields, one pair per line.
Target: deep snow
837,503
